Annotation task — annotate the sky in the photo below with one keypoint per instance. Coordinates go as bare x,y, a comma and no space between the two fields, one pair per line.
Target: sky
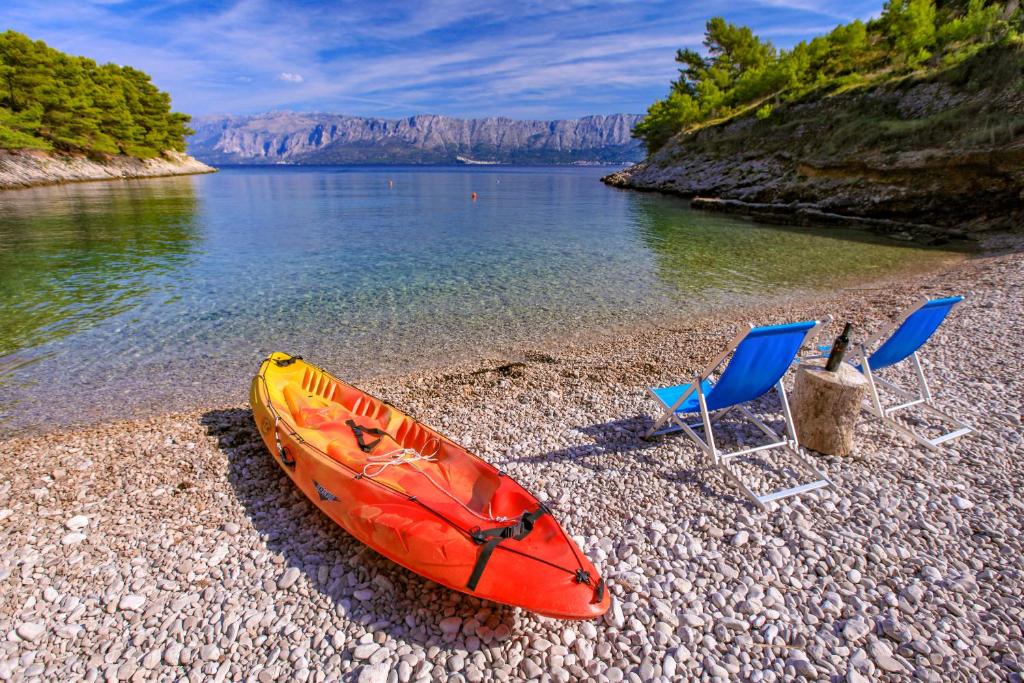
539,59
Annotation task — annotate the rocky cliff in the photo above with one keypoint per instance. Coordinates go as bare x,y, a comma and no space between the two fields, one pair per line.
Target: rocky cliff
930,158
336,139
25,168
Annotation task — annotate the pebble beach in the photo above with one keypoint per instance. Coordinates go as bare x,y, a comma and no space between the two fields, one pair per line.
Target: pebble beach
173,547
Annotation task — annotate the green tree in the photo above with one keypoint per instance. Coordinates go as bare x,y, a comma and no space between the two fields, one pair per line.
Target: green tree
665,118
738,71
977,23
50,100
910,27
738,67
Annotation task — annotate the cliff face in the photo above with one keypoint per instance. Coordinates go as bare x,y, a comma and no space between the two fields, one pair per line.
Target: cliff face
928,158
25,168
334,139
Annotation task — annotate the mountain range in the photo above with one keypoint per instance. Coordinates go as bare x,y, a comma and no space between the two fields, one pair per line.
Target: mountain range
316,138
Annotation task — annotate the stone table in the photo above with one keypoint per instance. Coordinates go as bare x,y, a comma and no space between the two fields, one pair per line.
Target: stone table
826,405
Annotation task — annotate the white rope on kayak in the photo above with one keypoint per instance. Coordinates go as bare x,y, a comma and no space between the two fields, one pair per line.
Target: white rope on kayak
376,465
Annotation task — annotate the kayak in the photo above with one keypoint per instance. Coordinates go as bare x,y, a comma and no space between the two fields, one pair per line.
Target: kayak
417,497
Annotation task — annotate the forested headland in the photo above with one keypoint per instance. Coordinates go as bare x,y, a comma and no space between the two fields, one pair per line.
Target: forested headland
53,101
741,72
910,124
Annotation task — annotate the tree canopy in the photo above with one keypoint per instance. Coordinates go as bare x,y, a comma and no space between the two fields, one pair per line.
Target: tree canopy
51,100
739,71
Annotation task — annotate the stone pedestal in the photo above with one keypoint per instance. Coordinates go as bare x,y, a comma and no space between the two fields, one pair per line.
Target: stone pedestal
826,406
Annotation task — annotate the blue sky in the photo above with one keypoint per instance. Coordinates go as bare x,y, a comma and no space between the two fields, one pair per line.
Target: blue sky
524,59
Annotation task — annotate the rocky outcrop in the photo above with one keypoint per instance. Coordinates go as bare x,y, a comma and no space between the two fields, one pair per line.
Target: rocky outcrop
24,168
928,158
335,139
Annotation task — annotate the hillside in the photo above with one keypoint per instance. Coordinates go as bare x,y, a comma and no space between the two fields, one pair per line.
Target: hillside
926,144
428,139
65,118
940,155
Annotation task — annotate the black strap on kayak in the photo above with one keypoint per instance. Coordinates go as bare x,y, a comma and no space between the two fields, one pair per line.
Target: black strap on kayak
490,538
285,362
359,430
284,458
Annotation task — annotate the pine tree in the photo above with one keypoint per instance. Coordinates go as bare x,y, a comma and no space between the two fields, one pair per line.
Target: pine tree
50,100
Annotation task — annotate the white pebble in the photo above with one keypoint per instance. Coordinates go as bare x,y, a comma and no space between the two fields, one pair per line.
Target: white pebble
77,522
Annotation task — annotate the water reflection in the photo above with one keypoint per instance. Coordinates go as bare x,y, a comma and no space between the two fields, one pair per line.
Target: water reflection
702,253
113,294
72,257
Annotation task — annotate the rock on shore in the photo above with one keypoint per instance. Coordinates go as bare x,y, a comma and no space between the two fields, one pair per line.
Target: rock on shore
25,168
174,548
922,158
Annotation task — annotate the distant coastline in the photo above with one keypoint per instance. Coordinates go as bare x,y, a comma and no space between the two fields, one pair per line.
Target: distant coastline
324,139
30,168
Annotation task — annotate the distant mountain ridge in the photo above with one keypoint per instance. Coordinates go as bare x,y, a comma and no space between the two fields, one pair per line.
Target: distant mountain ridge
315,138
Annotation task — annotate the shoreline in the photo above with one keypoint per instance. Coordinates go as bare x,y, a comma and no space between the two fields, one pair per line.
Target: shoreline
474,358
173,546
798,213
21,169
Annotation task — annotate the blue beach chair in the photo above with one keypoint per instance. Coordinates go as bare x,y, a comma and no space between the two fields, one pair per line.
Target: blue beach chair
903,340
760,358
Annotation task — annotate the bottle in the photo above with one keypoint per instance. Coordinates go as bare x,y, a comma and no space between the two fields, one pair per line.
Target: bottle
839,349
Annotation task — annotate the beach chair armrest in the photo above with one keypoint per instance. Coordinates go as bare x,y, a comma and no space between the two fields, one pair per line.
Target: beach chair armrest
817,330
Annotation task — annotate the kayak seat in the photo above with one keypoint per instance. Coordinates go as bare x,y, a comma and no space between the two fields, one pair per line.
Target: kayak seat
324,422
312,411
344,448
358,404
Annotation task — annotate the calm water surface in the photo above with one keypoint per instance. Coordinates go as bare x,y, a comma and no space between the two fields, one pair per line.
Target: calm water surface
120,297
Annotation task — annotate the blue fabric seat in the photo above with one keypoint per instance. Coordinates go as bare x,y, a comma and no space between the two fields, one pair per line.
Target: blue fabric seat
913,333
902,343
760,360
757,362
669,396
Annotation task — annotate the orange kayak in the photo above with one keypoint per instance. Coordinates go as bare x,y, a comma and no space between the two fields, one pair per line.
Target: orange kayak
417,497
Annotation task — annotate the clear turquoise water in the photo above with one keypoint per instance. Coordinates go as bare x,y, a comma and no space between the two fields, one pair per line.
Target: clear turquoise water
113,295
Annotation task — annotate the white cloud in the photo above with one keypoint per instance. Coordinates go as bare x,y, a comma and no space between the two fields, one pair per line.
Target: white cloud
534,58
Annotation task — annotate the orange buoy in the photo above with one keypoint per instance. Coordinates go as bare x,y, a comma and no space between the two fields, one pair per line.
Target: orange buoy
473,196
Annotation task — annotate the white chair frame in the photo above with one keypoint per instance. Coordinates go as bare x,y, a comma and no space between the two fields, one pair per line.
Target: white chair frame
920,396
671,422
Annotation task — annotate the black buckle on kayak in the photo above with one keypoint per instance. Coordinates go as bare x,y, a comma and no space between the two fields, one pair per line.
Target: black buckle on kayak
490,538
359,430
515,531
582,576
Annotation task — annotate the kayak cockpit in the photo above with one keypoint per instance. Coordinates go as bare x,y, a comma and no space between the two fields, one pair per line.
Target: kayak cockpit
344,423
